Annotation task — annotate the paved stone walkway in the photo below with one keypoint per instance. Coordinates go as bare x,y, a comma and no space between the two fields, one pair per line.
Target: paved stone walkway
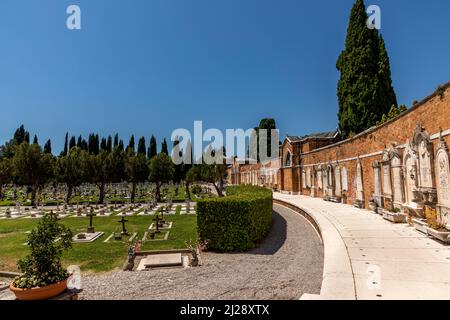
367,257
285,265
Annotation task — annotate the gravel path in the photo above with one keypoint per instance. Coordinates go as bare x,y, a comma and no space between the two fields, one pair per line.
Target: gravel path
286,264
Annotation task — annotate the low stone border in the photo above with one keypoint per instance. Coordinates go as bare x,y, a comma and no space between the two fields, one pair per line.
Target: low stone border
338,279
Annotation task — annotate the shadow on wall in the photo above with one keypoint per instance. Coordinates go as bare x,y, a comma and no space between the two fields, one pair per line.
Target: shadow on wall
274,239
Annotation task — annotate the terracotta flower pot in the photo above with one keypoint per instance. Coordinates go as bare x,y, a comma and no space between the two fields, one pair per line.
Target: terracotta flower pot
39,293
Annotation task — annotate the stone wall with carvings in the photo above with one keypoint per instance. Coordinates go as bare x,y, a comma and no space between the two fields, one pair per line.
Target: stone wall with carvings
400,164
396,160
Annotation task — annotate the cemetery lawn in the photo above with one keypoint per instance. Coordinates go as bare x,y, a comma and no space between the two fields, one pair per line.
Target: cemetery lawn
97,256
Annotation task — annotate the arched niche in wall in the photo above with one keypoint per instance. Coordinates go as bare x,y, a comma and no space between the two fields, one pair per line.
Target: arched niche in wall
397,178
319,171
287,159
410,175
424,148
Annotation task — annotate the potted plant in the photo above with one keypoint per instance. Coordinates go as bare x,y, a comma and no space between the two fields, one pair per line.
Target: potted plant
394,215
42,275
437,228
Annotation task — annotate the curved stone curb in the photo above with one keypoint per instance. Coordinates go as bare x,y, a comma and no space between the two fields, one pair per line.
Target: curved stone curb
338,279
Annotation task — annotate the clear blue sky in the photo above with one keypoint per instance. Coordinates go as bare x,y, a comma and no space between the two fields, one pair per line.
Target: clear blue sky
150,66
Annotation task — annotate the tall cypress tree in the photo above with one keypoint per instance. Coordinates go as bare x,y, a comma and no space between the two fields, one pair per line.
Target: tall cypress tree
116,140
164,148
365,90
72,143
120,145
103,145
141,146
80,142
35,140
109,144
48,147
66,145
130,146
152,148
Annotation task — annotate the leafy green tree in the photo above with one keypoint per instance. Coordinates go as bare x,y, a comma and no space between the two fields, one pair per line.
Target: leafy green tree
164,148
32,168
394,112
99,168
186,167
141,146
161,171
137,171
71,170
152,148
5,174
214,174
178,168
365,89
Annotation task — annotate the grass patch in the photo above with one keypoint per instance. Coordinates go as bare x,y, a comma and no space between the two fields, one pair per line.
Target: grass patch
97,256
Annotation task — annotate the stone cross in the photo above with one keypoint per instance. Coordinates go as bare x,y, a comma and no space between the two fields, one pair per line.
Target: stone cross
122,221
91,215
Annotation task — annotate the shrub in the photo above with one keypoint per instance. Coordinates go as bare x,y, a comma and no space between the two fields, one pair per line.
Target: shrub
235,222
42,266
196,189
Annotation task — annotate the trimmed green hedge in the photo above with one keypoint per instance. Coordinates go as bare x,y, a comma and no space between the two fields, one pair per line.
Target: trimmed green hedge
235,222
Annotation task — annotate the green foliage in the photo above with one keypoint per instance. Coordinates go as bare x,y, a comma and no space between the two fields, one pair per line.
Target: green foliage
164,148
47,243
137,170
152,148
72,169
394,112
161,171
440,91
235,222
196,189
365,89
141,146
32,167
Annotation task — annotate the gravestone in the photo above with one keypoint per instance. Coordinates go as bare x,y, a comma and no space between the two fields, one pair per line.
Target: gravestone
410,174
319,177
308,177
359,185
303,179
424,147
377,183
397,180
442,169
337,180
344,179
387,189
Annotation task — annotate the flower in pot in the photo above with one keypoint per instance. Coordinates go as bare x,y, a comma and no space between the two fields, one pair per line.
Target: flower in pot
42,274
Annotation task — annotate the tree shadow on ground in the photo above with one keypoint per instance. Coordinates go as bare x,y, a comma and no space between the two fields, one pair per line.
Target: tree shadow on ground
275,239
